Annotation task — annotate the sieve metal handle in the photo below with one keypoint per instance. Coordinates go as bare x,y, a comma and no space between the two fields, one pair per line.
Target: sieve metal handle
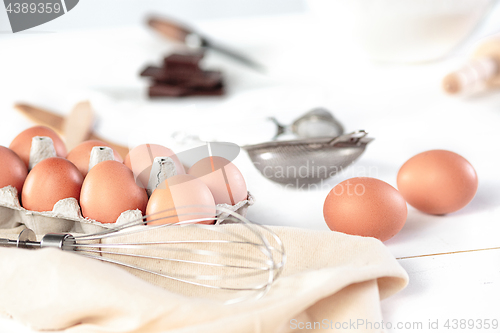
353,137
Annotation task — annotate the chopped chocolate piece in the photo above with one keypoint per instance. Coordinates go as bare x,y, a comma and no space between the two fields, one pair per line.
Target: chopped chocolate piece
185,62
161,90
161,74
176,76
165,90
156,73
182,73
218,91
181,76
207,79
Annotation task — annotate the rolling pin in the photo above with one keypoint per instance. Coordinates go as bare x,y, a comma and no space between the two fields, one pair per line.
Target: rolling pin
481,72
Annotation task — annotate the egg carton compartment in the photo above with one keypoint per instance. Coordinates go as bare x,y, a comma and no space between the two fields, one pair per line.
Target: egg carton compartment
66,215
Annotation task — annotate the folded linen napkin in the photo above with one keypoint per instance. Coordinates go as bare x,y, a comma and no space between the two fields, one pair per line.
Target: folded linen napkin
330,279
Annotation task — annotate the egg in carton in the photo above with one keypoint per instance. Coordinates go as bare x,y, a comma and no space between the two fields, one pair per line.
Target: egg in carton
66,215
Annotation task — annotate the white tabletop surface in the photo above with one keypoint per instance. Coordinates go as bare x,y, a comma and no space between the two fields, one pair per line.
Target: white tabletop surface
401,106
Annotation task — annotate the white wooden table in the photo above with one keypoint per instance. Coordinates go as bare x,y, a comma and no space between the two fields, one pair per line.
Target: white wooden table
401,106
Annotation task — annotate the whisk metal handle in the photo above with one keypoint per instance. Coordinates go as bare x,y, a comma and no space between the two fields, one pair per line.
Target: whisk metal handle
8,242
60,241
27,240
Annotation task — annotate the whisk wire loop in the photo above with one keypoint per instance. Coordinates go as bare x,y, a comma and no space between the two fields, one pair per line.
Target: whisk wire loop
240,257
183,253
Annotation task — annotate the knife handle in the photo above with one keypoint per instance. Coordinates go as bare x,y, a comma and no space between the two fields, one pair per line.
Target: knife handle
169,29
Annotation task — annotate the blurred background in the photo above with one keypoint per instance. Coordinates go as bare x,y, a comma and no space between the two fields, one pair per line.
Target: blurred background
112,13
377,65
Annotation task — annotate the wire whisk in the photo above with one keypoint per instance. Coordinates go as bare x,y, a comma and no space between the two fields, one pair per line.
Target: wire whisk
231,262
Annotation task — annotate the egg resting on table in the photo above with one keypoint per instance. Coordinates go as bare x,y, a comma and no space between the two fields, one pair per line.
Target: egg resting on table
437,182
365,206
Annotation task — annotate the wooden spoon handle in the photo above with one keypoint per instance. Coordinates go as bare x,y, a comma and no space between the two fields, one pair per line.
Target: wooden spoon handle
122,150
57,123
41,117
78,124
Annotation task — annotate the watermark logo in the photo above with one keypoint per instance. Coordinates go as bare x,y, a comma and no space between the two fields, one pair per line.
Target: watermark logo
26,14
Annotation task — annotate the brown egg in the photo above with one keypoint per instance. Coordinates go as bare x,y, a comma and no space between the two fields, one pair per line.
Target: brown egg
365,206
48,182
437,182
141,158
80,155
13,171
176,195
21,144
223,179
109,190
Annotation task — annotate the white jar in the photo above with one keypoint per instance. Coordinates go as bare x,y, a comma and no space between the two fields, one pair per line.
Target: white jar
405,30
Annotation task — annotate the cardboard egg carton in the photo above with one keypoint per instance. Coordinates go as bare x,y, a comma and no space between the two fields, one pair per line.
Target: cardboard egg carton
66,215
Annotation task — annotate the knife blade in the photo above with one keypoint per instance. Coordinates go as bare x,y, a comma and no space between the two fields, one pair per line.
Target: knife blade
182,33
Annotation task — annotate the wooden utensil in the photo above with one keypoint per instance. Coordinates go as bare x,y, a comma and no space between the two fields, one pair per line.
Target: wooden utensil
481,72
75,126
78,124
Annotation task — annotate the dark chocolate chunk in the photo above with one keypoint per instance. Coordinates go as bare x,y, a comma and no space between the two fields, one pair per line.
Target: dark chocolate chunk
185,62
156,73
181,76
216,91
174,76
165,90
206,79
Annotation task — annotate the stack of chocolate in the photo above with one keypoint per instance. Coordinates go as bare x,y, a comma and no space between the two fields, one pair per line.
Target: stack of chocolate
181,75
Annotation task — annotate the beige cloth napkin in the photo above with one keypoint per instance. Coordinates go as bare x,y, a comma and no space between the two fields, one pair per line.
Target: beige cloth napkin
329,279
